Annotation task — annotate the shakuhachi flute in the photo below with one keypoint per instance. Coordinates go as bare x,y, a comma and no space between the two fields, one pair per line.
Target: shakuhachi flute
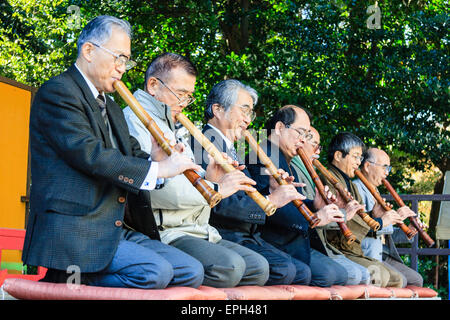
428,240
409,233
345,195
321,189
211,196
312,219
268,207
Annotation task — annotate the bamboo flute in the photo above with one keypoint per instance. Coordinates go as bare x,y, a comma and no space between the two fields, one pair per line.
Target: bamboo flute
321,189
268,207
345,195
428,240
312,219
409,233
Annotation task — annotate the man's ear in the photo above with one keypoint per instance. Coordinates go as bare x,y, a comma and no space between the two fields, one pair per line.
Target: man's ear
338,156
365,166
151,86
87,50
217,110
279,126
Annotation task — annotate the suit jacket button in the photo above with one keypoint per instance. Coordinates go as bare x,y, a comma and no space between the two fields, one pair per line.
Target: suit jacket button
118,223
121,177
130,181
121,199
125,179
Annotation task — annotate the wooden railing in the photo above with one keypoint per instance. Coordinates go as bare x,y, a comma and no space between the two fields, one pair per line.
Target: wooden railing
414,251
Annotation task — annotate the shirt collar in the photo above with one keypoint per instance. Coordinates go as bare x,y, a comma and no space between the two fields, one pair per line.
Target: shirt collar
90,84
227,141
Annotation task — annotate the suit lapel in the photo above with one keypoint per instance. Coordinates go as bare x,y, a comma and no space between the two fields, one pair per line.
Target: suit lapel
93,104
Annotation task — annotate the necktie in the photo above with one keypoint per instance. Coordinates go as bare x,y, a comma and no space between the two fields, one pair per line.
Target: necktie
102,104
233,154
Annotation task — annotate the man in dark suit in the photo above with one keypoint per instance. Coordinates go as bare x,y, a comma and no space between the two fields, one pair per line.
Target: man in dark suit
287,229
84,166
229,111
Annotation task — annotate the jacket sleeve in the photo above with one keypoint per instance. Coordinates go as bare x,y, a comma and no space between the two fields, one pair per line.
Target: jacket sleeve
286,217
240,206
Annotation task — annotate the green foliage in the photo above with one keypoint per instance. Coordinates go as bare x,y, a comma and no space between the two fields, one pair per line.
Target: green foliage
427,269
390,85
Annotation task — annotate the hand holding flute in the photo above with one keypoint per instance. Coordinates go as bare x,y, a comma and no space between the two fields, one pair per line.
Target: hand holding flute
409,232
265,160
345,195
428,240
321,190
265,204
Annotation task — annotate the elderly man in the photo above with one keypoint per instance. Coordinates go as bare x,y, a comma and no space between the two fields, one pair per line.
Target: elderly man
357,274
229,111
287,229
181,212
344,156
380,245
84,167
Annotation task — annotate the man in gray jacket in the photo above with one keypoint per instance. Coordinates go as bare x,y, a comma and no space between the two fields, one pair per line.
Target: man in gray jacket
181,213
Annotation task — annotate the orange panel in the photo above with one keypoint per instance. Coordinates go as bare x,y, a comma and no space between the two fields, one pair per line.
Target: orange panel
15,113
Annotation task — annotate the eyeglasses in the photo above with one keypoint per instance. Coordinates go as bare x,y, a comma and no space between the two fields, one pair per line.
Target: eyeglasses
317,147
356,157
302,133
385,166
248,112
188,99
120,59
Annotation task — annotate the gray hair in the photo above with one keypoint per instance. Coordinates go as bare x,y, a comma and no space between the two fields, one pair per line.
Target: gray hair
225,93
164,63
344,142
99,30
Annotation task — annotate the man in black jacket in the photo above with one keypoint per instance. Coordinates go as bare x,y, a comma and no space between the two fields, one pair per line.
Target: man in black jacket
84,164
287,229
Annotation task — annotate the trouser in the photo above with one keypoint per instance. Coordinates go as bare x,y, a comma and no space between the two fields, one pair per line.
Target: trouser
372,248
140,262
226,264
410,276
381,274
324,271
283,268
357,274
